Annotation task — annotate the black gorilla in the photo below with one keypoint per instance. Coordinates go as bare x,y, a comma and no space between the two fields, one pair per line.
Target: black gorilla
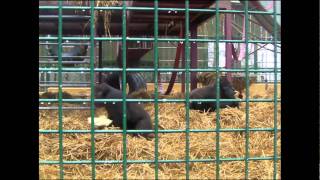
209,92
67,56
135,81
137,117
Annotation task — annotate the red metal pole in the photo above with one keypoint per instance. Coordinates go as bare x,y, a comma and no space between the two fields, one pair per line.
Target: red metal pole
228,36
194,56
176,63
183,65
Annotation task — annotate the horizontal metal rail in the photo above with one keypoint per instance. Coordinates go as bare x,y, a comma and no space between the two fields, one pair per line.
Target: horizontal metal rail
160,100
64,85
160,161
262,70
152,39
152,8
42,131
64,108
64,62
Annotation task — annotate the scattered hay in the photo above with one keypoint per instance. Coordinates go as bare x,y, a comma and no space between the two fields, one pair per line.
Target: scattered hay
206,78
140,94
238,81
55,95
171,145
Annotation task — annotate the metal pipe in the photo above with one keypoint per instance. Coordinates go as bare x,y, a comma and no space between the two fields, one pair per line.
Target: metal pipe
123,86
209,39
100,60
255,62
194,56
65,17
64,62
65,43
60,114
163,131
64,108
228,34
81,69
73,82
160,9
183,65
159,100
176,64
64,85
64,56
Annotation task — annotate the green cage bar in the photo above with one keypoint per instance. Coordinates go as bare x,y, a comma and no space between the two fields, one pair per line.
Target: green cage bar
265,70
160,9
152,39
160,161
275,123
92,34
217,90
156,92
60,90
246,16
160,131
159,100
187,88
124,85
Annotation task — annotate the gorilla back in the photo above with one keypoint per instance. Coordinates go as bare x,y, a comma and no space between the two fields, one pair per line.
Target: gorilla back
209,92
137,117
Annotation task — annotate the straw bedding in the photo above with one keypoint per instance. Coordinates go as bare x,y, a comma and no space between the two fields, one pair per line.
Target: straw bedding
171,145
238,80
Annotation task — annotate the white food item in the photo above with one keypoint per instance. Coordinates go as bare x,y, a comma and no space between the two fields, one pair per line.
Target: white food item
100,122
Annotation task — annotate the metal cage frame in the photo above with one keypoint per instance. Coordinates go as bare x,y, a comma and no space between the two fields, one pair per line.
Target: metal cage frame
187,70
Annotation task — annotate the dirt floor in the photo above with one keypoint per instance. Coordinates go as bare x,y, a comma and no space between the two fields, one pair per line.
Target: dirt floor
171,145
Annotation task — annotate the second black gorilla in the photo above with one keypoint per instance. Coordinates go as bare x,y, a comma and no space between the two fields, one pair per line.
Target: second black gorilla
209,92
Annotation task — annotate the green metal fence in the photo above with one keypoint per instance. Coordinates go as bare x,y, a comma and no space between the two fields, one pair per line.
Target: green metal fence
217,160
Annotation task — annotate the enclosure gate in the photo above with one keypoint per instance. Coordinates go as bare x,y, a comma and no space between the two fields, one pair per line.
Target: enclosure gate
155,70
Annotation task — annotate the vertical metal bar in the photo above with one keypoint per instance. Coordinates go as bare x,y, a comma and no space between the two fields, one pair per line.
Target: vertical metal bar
100,60
96,59
194,56
275,91
47,78
176,64
247,90
92,82
156,111
124,88
218,91
255,57
228,34
183,65
60,89
187,56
